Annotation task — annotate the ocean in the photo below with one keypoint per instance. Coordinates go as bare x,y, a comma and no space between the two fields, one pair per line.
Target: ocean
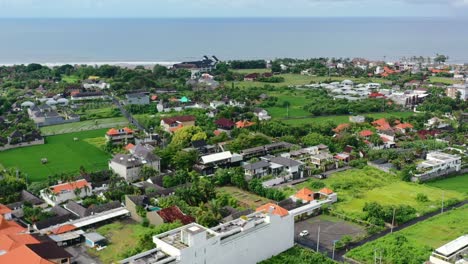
164,40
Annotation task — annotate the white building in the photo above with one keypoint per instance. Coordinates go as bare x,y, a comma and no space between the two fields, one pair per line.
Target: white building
249,239
128,166
437,164
63,192
452,252
262,114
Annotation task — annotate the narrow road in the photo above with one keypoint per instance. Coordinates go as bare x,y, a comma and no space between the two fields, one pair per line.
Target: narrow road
127,115
339,254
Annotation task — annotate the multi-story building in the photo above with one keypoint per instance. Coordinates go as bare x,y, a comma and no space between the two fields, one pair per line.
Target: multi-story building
128,166
120,136
437,164
452,252
63,192
249,239
172,124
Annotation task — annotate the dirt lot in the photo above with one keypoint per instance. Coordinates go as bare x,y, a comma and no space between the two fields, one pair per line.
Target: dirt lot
331,229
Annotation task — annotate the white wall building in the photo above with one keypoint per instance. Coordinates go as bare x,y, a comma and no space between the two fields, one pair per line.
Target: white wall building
249,239
452,252
63,192
438,164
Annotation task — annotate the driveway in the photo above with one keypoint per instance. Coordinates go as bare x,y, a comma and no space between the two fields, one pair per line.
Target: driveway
80,256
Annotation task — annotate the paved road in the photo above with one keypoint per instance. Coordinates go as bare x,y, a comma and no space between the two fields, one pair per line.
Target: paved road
308,177
339,255
127,115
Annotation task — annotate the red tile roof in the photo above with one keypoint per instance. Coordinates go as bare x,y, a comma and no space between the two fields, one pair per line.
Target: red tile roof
12,241
173,213
326,191
381,124
243,124
404,126
376,95
4,209
366,133
8,227
217,132
69,186
64,229
273,208
224,122
129,147
112,132
341,127
305,195
23,255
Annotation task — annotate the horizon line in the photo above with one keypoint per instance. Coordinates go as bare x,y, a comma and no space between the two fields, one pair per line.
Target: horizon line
229,17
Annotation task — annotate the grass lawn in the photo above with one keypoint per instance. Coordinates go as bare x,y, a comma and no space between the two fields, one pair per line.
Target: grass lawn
338,119
84,125
247,71
70,78
121,237
458,183
291,79
355,187
444,80
63,153
424,236
246,199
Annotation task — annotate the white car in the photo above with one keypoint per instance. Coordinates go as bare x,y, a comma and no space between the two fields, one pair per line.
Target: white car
304,233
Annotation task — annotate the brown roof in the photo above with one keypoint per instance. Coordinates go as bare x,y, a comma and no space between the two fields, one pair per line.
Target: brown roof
173,213
174,119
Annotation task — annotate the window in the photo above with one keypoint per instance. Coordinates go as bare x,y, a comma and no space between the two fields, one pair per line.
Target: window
64,261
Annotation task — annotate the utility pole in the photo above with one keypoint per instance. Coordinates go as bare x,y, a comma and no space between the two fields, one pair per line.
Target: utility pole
318,239
333,252
380,257
442,209
393,220
375,256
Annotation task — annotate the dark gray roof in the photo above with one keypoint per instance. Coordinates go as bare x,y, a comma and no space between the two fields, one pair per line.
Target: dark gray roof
256,165
30,198
49,251
82,211
54,221
137,95
59,211
126,160
140,200
285,161
145,152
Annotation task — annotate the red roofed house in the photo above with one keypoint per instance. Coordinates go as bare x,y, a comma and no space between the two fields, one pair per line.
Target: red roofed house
377,95
251,77
66,191
381,124
5,212
404,127
328,194
64,229
129,147
120,136
305,195
172,124
341,127
244,124
225,124
272,208
366,133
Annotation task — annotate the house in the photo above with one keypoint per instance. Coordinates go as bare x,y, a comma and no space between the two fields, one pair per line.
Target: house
366,133
437,164
81,211
251,77
94,240
451,253
137,99
323,160
341,127
155,215
244,124
45,115
292,167
63,192
256,170
43,253
82,96
204,65
357,119
208,163
120,136
403,128
458,90
128,166
225,124
95,84
172,124
262,114
242,240
205,82
304,195
26,197
436,122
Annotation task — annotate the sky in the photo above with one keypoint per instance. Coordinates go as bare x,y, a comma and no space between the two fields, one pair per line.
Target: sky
231,8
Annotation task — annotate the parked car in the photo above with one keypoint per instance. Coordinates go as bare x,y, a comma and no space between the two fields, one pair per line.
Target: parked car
304,233
320,176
